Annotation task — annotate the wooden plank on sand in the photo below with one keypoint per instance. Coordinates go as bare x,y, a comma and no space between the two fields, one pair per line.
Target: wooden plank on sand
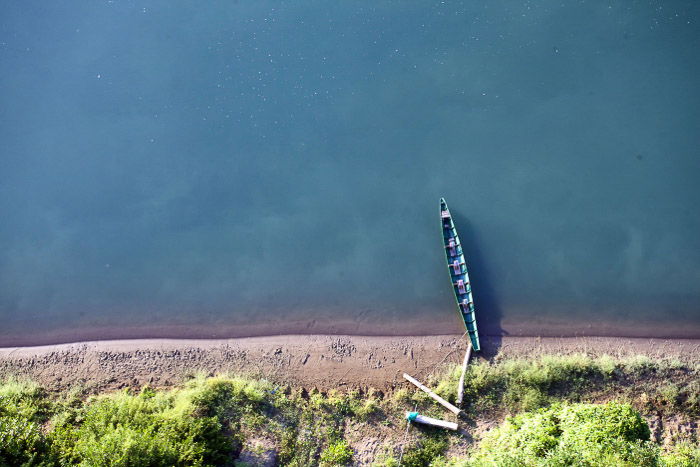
434,396
460,388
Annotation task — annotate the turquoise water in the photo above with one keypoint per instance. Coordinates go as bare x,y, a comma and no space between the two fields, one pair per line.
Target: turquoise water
232,168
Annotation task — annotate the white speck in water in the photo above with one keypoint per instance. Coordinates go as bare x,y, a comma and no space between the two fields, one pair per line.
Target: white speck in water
99,76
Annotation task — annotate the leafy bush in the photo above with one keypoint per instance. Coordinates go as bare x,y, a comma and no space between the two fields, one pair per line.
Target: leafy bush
145,429
427,450
598,423
529,434
22,408
225,398
21,442
580,434
682,455
23,399
337,453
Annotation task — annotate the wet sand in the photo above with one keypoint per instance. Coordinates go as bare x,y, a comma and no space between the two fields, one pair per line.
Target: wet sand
310,361
31,333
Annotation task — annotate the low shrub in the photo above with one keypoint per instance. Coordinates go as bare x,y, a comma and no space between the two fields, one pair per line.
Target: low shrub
428,449
205,421
580,434
21,442
526,384
145,429
23,407
682,454
337,453
23,399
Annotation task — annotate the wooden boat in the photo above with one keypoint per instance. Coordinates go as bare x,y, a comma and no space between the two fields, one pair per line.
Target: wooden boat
458,273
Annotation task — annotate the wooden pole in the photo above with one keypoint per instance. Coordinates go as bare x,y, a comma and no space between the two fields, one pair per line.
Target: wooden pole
416,417
460,388
437,398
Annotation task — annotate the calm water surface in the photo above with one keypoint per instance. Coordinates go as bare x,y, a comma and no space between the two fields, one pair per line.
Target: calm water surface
272,166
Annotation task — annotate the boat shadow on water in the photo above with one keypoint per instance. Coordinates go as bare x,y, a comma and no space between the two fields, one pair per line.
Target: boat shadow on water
488,311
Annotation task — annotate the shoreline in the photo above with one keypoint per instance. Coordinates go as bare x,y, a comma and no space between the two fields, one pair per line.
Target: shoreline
310,361
507,328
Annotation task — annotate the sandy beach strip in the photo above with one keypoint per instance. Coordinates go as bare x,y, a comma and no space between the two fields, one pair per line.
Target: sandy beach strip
310,361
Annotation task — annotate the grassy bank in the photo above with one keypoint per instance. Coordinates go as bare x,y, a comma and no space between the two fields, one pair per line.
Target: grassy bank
570,410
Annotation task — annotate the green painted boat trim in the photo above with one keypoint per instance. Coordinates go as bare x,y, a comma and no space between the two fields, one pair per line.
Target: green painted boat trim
457,267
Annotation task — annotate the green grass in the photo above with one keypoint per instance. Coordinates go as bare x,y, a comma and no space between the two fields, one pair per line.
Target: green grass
209,420
519,384
594,435
579,434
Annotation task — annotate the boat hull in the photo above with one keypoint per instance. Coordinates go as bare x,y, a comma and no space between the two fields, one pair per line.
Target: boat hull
459,276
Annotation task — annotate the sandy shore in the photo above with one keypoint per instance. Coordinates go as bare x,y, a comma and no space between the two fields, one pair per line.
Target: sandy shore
575,323
311,361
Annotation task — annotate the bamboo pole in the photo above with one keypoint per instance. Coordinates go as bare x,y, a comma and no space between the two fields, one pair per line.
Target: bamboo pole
437,398
460,388
416,417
